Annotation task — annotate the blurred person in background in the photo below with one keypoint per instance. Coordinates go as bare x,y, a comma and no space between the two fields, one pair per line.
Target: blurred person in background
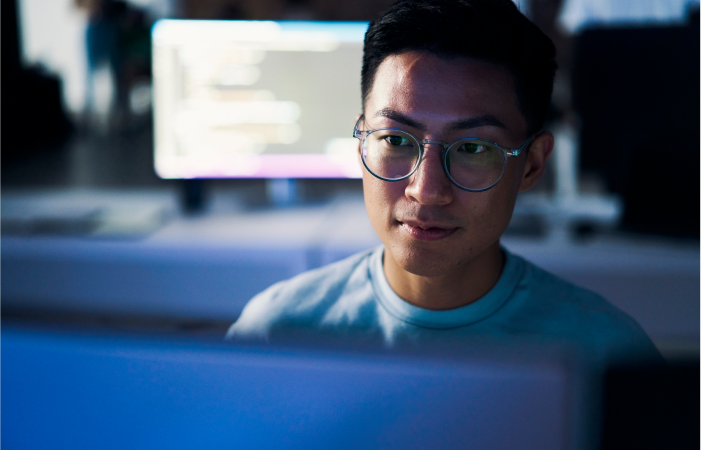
455,95
117,37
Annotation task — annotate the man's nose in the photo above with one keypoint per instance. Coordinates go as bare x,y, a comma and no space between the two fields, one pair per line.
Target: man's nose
429,185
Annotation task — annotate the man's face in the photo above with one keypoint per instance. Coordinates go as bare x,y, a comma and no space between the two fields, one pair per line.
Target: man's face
429,226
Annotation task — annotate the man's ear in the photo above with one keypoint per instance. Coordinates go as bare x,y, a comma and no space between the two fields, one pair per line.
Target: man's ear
538,154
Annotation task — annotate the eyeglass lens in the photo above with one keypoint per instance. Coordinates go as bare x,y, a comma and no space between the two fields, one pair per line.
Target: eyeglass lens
472,164
390,154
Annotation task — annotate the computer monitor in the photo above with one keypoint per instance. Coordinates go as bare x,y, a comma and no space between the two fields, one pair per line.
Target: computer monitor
80,389
256,99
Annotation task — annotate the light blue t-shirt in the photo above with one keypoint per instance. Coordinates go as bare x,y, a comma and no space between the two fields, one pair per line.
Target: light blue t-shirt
352,298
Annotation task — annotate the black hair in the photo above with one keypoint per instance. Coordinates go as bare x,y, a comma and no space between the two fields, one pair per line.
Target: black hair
494,31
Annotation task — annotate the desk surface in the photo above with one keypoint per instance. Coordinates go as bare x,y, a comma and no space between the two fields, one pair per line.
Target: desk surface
144,258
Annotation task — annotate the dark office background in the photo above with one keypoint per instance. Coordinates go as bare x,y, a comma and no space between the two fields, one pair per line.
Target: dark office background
631,91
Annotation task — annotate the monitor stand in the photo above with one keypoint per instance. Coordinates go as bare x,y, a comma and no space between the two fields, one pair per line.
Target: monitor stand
192,195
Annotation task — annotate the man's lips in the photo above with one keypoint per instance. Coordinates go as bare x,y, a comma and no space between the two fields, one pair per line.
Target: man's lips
426,231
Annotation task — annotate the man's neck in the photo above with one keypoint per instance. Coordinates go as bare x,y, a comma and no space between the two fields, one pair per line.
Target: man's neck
465,284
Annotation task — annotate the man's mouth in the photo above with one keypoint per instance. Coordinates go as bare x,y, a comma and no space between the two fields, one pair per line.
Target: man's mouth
426,231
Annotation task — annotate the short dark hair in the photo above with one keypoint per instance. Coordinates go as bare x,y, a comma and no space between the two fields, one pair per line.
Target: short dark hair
494,31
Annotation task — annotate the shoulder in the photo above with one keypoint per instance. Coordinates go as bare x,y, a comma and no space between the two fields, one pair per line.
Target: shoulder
303,300
552,291
567,310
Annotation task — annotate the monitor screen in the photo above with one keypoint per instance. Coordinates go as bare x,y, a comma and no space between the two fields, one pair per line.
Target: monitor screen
64,389
256,99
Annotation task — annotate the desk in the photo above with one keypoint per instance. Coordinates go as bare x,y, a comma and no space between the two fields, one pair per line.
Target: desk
207,267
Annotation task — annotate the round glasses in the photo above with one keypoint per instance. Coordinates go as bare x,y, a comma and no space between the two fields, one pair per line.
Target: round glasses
472,164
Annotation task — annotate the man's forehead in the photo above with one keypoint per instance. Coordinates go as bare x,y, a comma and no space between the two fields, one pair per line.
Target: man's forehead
410,65
417,89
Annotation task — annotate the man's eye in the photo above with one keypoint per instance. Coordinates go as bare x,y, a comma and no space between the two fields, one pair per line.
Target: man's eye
472,148
397,140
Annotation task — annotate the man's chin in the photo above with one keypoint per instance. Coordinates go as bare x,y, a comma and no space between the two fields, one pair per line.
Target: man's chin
435,259
423,262
424,269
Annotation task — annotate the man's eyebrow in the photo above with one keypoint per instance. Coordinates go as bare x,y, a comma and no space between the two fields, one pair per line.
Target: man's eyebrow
401,118
475,122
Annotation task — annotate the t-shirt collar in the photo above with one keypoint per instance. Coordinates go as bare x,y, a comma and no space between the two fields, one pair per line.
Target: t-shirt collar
465,315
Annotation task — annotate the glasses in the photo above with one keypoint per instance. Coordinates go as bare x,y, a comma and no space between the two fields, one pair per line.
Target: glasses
472,164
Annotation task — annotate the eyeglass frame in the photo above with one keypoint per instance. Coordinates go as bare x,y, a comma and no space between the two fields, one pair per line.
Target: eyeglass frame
506,152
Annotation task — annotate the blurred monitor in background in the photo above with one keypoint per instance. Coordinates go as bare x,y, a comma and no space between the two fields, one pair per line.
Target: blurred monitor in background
636,91
256,99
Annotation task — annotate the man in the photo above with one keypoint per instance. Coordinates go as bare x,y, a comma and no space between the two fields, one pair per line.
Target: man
455,93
